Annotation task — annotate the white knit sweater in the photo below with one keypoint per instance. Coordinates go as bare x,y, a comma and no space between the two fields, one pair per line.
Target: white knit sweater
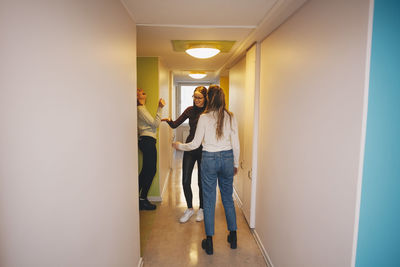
206,136
147,125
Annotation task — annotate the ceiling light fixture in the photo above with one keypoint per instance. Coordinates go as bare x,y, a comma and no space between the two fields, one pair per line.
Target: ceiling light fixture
210,48
202,52
197,75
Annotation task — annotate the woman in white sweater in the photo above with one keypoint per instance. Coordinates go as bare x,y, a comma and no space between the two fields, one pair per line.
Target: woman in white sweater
147,131
217,131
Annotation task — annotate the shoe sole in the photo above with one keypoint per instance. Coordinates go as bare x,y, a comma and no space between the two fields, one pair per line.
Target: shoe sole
147,208
186,220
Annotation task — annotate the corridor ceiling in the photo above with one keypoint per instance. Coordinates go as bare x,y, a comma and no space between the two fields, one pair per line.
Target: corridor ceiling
243,21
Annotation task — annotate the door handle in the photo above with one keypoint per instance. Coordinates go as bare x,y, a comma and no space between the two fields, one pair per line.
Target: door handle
249,174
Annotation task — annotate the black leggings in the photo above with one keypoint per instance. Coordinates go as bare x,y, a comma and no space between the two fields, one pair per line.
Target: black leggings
189,159
147,145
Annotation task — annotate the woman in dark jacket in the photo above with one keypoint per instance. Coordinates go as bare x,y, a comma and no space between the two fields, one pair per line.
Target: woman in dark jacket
190,157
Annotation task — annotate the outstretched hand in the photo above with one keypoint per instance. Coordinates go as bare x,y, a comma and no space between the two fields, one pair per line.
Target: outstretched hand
166,119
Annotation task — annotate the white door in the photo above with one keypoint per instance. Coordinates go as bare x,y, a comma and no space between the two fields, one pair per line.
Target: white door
248,131
237,85
241,99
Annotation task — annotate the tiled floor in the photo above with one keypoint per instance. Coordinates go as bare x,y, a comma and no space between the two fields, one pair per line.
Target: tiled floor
166,242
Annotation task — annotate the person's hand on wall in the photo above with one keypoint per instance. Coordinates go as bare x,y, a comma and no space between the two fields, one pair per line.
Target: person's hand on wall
161,103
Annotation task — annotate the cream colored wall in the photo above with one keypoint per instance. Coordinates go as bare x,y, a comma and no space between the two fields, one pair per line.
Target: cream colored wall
68,157
311,103
237,85
165,132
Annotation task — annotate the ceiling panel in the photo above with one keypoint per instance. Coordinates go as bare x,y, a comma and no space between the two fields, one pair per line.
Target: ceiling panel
243,21
205,12
156,41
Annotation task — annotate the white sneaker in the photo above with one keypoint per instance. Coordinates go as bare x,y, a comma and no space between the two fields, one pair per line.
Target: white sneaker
200,215
186,215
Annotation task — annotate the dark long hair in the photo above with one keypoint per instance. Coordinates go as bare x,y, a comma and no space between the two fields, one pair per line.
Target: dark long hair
216,103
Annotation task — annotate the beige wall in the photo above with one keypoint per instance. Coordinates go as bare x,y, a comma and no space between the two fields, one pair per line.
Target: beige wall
68,157
311,103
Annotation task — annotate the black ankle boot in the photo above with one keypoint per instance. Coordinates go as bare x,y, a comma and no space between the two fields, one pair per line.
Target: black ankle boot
207,245
232,238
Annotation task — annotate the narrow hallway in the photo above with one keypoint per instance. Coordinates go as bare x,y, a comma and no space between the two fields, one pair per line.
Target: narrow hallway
166,242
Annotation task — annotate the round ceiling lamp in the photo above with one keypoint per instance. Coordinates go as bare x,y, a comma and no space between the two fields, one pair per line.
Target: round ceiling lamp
197,75
202,52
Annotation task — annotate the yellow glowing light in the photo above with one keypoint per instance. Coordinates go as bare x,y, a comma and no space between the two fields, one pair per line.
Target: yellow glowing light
202,52
197,75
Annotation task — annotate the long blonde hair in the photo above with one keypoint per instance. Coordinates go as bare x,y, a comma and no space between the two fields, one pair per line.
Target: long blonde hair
216,103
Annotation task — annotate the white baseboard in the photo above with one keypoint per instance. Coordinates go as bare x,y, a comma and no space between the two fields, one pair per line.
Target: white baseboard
140,264
155,199
262,248
159,198
253,231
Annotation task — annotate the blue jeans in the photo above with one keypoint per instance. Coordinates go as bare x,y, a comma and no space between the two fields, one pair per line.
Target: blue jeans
217,166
